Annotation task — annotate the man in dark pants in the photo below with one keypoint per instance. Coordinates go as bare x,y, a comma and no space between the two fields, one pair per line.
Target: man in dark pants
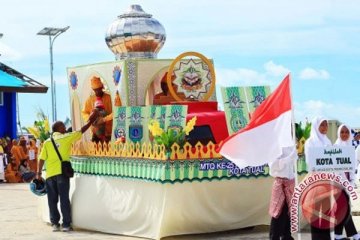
57,184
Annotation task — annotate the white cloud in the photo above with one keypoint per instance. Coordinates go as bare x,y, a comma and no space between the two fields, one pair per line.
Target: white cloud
275,70
310,73
349,114
271,75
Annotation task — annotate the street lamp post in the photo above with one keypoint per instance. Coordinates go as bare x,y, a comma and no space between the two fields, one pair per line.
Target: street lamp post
53,33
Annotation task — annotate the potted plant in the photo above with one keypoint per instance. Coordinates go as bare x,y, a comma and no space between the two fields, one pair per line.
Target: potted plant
171,135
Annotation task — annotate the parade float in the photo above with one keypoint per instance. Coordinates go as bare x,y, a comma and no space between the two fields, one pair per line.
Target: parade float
140,185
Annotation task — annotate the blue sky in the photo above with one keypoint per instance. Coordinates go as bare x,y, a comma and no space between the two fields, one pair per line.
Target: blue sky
251,42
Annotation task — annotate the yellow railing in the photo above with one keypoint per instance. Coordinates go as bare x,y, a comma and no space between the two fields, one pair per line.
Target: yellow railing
146,150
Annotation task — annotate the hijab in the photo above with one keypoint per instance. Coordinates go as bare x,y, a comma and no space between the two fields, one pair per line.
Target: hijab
339,141
317,139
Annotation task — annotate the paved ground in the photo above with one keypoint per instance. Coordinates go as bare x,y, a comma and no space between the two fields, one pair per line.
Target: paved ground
18,220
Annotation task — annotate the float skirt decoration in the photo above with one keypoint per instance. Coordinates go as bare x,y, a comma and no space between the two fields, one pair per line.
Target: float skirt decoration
154,199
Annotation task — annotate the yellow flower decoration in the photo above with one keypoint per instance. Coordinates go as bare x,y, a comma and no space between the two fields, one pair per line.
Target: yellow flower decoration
34,131
46,125
155,128
171,135
40,129
190,125
300,146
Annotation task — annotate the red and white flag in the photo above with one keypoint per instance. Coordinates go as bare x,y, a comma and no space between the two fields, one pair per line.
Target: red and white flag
268,131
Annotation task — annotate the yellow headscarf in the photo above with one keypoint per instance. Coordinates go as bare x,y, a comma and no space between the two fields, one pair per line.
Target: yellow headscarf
96,83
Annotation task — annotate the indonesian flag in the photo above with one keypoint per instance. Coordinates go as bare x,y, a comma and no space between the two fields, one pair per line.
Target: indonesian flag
268,131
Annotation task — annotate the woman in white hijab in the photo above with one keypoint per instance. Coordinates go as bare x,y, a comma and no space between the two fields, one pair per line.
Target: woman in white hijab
318,138
344,139
343,136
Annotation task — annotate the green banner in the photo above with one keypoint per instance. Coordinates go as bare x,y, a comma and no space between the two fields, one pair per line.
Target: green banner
175,117
136,122
119,123
235,107
256,95
240,102
161,115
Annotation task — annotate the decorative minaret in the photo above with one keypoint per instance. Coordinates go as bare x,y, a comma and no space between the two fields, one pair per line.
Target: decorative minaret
135,34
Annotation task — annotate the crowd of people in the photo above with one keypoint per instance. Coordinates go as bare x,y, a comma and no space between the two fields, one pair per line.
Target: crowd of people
18,161
283,172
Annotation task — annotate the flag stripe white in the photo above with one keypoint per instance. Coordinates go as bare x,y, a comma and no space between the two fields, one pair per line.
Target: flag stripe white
256,146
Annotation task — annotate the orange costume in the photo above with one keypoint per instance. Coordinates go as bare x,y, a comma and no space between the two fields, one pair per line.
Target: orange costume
106,100
11,176
18,154
33,162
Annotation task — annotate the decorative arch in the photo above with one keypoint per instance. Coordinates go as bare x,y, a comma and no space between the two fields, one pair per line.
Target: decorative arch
154,85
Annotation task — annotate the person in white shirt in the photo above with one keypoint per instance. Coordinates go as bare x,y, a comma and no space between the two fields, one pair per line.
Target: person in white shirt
282,170
344,139
318,138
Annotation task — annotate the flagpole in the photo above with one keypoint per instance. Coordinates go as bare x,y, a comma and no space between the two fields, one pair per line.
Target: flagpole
293,129
294,139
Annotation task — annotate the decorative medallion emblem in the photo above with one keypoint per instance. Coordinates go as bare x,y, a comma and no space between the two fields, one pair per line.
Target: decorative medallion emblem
192,78
258,99
73,80
235,101
136,133
120,133
237,122
176,116
121,117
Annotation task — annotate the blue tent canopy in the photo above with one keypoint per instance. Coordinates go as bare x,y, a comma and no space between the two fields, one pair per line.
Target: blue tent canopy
6,80
14,81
